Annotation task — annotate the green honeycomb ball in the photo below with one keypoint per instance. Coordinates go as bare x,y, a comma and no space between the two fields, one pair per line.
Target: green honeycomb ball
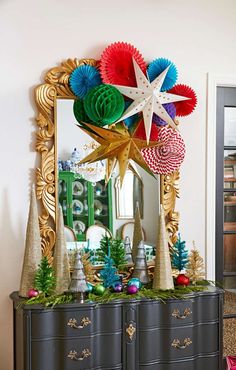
79,112
104,104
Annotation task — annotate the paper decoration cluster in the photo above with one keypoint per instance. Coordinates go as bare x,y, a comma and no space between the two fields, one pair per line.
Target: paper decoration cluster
137,104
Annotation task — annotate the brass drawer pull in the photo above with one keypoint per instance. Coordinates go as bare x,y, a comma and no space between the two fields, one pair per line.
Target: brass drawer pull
177,344
130,331
74,324
176,313
84,354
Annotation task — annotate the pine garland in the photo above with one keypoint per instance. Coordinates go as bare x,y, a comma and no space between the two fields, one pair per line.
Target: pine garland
195,269
44,280
50,301
178,293
162,295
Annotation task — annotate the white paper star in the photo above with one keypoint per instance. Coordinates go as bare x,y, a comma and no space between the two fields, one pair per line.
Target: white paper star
148,98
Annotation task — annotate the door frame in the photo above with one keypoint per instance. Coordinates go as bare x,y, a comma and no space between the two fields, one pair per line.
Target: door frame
213,81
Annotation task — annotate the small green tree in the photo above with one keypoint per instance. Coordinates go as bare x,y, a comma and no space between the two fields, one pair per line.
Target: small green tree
117,251
179,255
44,280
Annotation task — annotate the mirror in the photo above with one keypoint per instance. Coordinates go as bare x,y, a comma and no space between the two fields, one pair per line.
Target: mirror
128,195
54,101
85,203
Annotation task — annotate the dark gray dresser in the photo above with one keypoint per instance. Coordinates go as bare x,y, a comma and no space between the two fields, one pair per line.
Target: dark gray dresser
129,335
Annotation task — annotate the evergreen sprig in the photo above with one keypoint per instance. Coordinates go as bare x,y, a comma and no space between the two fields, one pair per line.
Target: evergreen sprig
179,255
44,280
117,251
50,301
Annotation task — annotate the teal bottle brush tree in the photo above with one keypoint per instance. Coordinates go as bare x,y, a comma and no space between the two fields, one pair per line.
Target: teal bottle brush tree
180,255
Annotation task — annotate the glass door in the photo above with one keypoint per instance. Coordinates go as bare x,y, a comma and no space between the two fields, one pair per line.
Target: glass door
226,188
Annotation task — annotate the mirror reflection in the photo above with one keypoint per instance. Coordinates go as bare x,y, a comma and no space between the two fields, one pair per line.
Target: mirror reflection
82,193
128,195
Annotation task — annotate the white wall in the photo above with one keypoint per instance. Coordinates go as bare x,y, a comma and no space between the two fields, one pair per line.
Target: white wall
199,36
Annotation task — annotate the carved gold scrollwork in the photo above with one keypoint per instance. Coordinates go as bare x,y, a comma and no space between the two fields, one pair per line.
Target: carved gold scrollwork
169,193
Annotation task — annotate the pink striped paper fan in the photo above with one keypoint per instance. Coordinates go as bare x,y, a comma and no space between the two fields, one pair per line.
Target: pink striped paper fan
168,157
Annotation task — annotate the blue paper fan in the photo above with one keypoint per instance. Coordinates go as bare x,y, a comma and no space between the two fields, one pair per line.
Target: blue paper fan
156,67
83,79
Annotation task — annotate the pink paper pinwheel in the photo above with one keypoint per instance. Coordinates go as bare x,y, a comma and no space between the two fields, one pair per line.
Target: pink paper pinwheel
168,157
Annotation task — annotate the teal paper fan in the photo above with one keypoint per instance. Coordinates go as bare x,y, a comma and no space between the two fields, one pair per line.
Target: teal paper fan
83,79
156,67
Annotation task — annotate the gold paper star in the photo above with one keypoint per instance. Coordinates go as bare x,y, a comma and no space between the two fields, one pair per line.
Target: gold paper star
117,144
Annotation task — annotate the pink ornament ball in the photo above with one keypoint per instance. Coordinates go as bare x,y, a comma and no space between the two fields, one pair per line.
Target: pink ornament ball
132,289
32,293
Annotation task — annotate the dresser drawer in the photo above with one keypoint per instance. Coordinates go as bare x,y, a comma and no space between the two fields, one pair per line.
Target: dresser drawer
74,323
211,362
99,351
178,312
177,343
66,323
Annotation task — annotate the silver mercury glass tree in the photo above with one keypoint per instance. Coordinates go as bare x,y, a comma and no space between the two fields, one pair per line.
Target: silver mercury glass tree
140,265
78,283
128,252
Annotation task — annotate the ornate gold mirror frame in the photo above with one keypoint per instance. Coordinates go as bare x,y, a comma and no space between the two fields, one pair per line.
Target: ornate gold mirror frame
56,87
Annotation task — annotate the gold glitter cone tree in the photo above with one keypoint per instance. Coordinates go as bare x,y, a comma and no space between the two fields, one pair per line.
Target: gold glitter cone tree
138,232
163,278
33,252
61,264
195,268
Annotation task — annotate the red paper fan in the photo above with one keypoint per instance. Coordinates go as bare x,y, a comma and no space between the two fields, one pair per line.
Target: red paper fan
116,65
140,132
185,107
168,157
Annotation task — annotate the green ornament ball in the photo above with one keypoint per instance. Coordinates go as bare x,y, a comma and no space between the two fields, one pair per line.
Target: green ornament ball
104,104
136,282
79,112
99,289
